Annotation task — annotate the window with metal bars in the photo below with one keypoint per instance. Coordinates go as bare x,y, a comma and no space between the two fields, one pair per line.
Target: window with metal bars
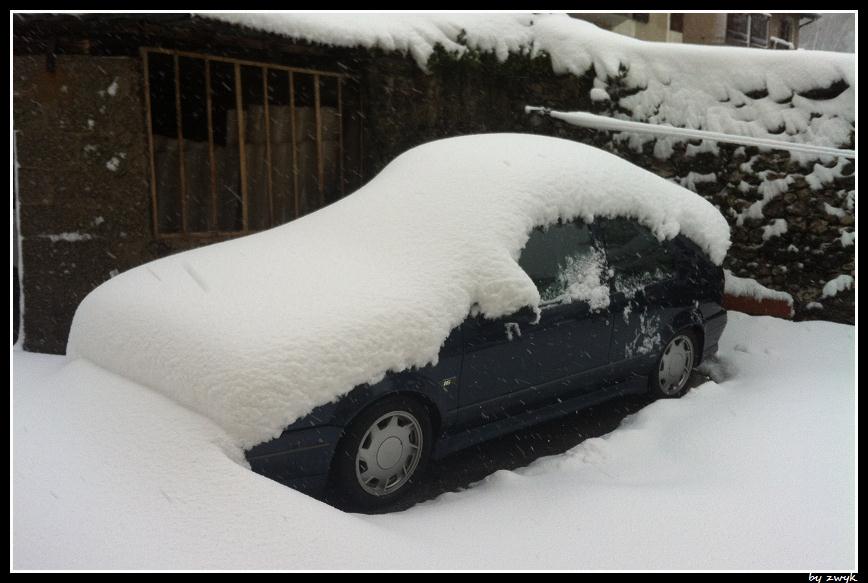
239,146
751,30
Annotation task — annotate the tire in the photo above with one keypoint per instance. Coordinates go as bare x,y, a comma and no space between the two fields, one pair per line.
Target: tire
672,372
382,454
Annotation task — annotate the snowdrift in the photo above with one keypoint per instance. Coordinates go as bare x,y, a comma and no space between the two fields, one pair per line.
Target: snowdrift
257,331
109,475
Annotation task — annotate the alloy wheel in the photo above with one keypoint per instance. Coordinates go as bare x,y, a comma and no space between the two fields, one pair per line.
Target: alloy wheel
389,453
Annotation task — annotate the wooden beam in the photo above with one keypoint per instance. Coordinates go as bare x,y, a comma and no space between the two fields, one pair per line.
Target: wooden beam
196,55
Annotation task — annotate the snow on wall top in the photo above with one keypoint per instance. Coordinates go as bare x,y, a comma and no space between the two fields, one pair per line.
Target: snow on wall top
733,90
257,331
751,288
414,34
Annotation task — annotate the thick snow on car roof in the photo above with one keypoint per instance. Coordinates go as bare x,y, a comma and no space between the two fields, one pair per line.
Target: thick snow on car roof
257,331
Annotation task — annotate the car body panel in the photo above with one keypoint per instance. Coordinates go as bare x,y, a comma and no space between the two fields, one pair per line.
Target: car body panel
527,357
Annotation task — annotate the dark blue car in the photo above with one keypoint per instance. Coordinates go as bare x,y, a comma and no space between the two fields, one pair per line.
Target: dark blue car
658,316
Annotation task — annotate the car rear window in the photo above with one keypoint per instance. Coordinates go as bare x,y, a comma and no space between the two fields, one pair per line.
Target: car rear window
634,253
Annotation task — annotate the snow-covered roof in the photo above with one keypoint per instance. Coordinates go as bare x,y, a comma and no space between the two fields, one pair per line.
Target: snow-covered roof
257,331
732,90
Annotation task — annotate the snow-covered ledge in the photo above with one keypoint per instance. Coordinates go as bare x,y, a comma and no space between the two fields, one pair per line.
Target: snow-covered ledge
747,295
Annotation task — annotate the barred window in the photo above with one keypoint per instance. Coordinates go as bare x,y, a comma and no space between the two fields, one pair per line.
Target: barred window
759,30
747,30
239,146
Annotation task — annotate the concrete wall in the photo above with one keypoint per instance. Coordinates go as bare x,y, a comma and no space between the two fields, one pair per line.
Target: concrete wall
704,29
656,29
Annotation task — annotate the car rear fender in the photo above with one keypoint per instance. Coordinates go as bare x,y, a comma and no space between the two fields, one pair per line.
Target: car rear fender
690,319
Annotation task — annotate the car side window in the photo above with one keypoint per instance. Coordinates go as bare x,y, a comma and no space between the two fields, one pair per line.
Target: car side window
635,255
564,263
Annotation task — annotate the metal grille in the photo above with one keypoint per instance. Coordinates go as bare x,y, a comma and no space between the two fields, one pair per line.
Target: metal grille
239,146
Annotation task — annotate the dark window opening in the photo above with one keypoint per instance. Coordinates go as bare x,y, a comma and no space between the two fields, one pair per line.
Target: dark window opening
785,32
224,131
280,132
194,129
759,30
240,147
737,29
676,22
747,30
164,135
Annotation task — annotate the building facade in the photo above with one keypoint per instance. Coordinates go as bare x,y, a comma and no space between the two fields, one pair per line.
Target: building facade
759,30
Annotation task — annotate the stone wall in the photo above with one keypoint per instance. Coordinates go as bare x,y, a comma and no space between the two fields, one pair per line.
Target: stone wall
798,260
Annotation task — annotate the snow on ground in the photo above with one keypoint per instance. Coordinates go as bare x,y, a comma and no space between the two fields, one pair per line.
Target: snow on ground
257,331
755,471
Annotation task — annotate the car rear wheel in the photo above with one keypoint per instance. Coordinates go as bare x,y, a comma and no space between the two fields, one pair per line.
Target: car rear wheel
670,376
382,453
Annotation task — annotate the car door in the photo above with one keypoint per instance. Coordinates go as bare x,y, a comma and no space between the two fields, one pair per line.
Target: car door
646,291
517,363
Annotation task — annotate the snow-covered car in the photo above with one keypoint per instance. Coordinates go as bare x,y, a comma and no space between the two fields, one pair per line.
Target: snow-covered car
657,316
476,285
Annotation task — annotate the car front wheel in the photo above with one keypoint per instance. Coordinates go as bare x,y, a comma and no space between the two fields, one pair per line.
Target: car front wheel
669,378
384,449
